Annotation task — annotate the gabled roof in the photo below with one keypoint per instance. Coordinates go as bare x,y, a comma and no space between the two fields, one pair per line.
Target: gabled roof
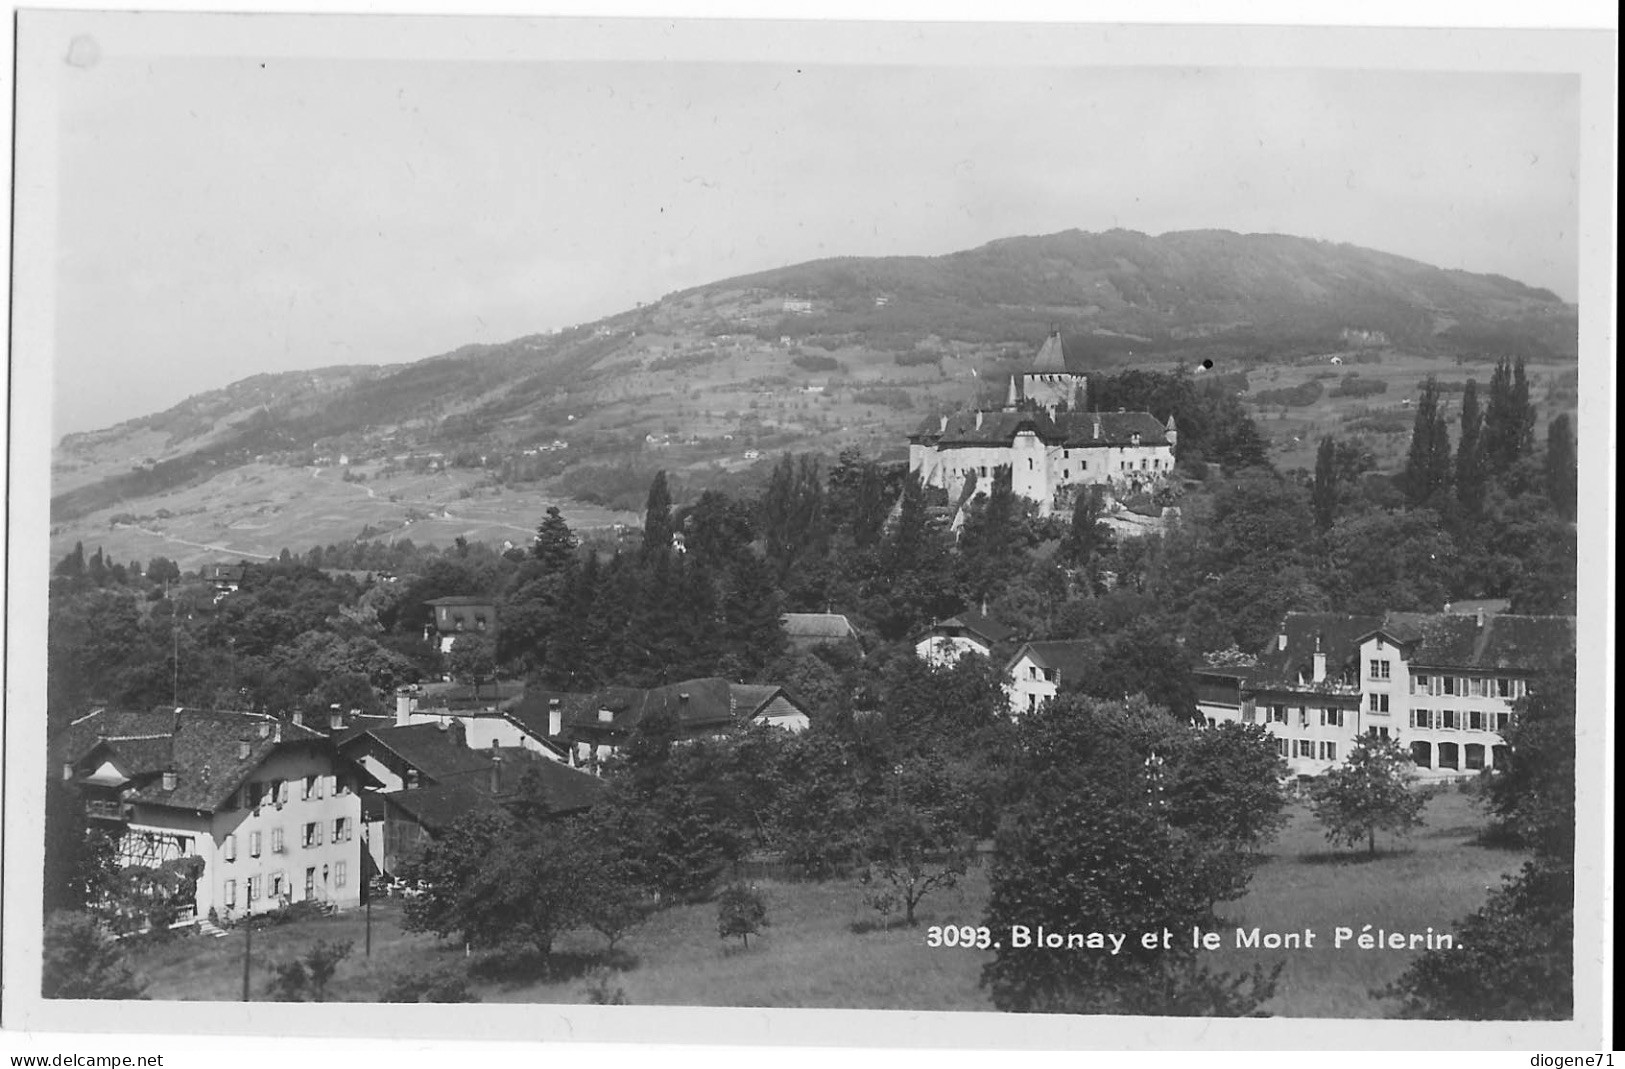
532,712
1086,429
828,626
564,789
1524,644
997,427
983,627
211,752
1070,657
697,704
440,806
429,748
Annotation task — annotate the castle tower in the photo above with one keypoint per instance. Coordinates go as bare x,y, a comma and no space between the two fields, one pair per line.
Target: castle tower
1049,384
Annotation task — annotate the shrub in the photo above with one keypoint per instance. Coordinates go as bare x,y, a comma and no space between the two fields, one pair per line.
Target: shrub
815,363
741,911
602,991
81,961
1356,385
447,984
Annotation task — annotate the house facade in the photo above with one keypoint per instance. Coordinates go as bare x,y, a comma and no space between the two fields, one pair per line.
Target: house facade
597,725
1035,674
945,641
462,614
270,809
1441,684
1048,438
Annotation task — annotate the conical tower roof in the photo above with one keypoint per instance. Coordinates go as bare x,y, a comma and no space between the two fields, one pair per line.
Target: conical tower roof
1050,358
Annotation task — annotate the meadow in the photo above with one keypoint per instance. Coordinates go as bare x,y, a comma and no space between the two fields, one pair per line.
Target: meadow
825,948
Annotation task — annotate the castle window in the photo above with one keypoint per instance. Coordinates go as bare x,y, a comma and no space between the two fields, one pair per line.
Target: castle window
1029,463
1084,466
984,470
1066,454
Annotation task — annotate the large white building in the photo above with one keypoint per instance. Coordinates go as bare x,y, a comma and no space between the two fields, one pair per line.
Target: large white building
1442,684
270,808
1048,438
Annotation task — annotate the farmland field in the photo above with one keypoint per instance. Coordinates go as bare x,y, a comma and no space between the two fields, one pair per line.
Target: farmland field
823,949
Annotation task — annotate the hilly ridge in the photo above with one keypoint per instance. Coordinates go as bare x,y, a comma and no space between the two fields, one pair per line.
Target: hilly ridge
819,354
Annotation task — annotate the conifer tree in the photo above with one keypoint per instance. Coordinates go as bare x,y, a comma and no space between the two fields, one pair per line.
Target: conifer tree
1469,458
657,518
555,544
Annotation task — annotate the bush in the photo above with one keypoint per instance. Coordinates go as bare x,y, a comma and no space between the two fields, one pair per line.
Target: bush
305,979
815,363
82,961
447,984
601,991
1299,396
741,911
1356,385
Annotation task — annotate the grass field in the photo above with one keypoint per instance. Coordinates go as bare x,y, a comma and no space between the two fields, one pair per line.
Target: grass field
822,949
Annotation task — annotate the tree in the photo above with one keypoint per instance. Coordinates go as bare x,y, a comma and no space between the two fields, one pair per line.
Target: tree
1101,841
472,660
1562,471
81,961
915,846
305,978
1087,537
1469,453
163,570
555,545
1427,467
1514,958
741,911
1323,491
495,882
1369,792
657,526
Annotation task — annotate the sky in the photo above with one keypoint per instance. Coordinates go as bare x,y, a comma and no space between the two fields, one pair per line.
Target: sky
221,216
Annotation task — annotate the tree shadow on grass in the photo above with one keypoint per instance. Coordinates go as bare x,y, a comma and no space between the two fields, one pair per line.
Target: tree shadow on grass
876,924
1350,857
523,966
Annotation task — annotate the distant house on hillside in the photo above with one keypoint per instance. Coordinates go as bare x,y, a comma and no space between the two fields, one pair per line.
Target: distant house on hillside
808,629
945,641
463,614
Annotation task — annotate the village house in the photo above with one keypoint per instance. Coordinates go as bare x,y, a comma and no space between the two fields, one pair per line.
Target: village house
1035,674
945,641
428,778
597,725
1442,684
482,722
270,808
1048,438
806,630
462,614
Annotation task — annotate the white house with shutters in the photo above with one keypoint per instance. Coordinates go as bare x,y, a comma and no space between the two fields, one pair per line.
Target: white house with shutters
270,808
1442,684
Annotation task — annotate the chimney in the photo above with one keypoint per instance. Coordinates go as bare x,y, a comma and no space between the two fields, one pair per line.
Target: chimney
1478,618
169,781
242,749
943,429
276,732
265,730
1280,641
1096,435
299,719
496,770
403,708
335,721
67,770
411,779
555,718
1320,660
978,419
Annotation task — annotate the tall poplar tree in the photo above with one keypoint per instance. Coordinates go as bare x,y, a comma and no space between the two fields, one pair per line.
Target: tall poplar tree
1427,467
1323,491
1469,458
657,517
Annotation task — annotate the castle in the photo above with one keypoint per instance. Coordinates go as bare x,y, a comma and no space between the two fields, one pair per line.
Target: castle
1048,438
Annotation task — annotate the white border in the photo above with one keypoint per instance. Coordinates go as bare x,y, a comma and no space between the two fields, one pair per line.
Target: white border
43,37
